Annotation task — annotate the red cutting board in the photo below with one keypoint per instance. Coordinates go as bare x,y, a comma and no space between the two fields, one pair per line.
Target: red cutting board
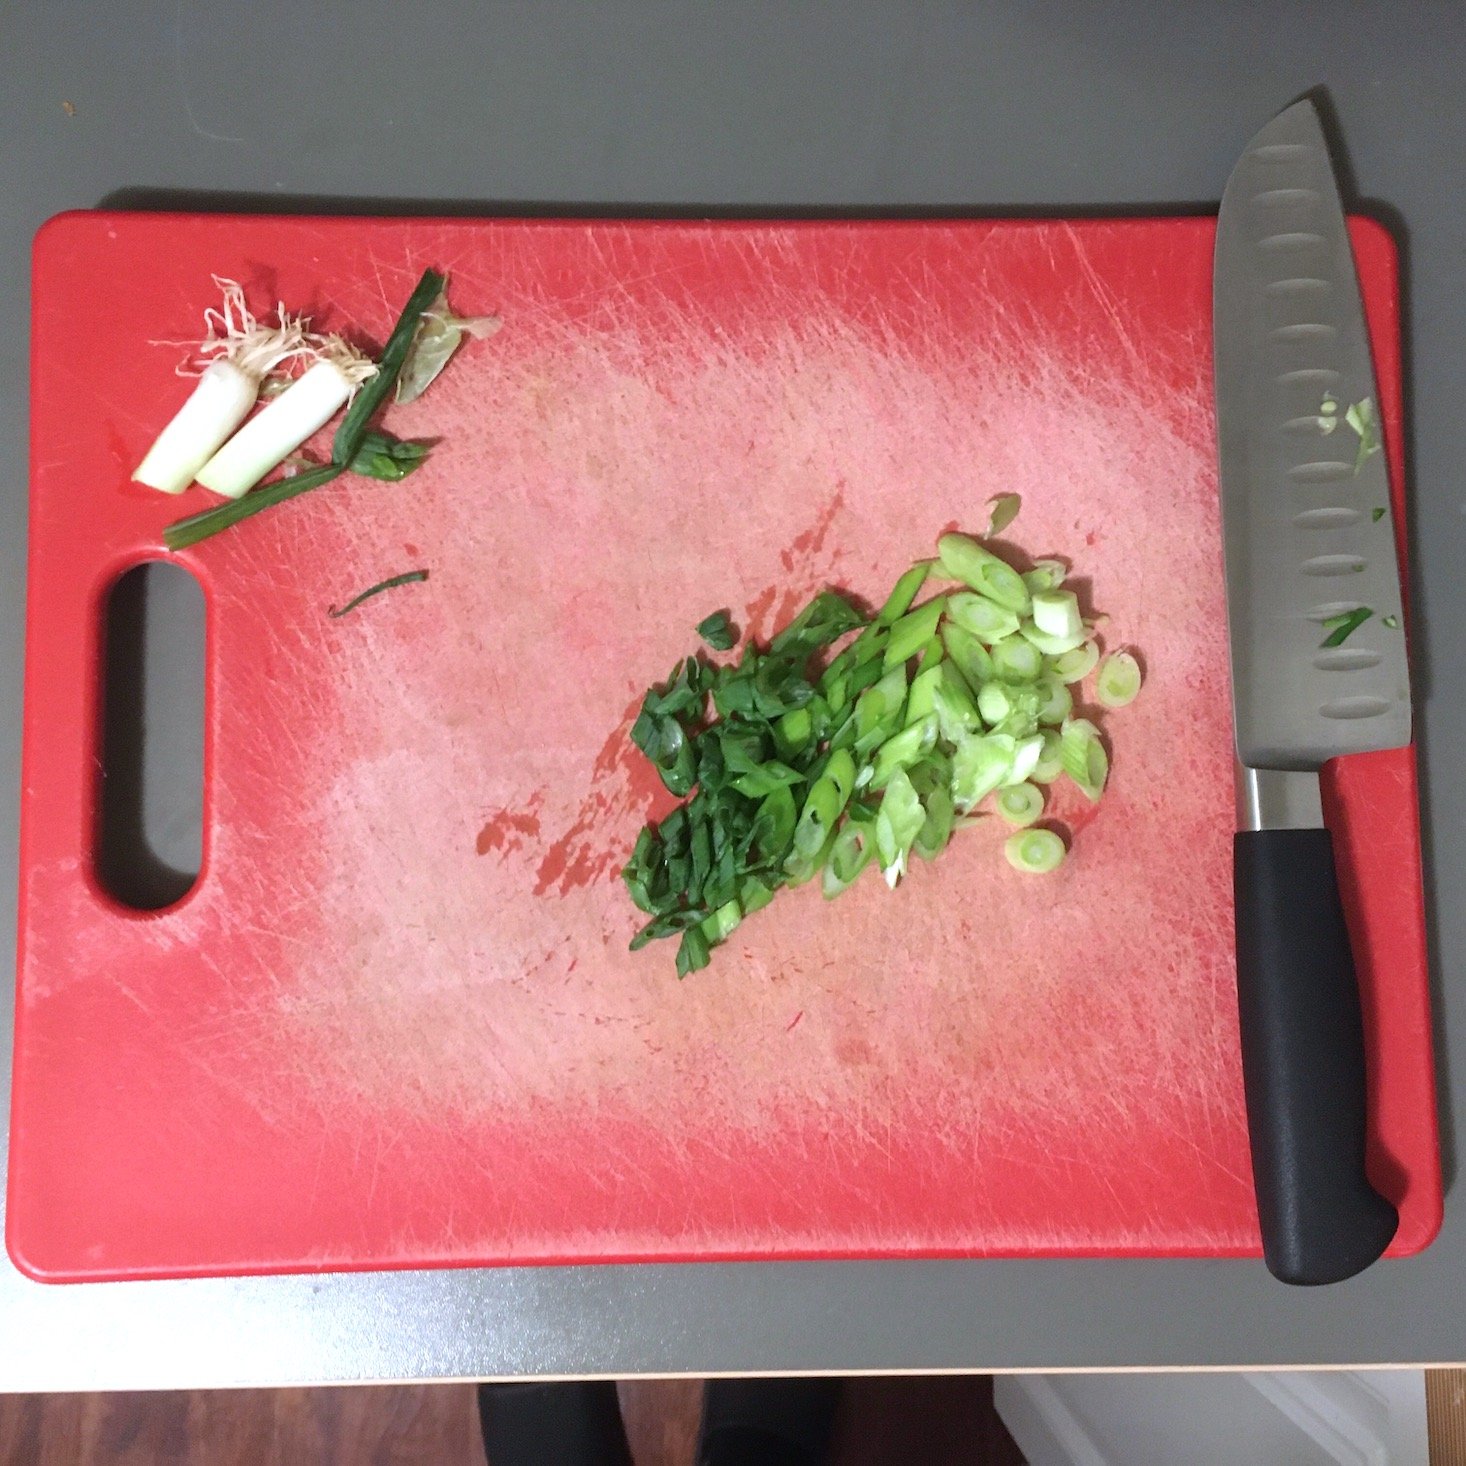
396,1022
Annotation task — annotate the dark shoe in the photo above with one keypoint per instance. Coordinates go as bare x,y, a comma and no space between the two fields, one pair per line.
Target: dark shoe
768,1422
574,1424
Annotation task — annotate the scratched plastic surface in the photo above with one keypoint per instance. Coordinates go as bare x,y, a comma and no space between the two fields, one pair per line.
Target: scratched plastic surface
396,1023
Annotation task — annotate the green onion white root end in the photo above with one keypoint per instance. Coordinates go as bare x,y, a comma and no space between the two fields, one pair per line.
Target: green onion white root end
235,357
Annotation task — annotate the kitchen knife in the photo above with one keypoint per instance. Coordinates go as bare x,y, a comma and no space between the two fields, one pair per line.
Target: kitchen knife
1318,670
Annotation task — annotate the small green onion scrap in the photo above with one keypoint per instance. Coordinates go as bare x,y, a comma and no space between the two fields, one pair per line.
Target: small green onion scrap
1045,575
1005,509
439,334
853,739
1341,627
1362,418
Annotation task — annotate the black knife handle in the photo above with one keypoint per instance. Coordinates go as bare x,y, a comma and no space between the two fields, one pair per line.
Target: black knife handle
1303,1061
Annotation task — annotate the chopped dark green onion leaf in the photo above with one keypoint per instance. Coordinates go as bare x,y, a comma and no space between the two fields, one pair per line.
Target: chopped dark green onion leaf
693,954
903,593
1377,514
717,631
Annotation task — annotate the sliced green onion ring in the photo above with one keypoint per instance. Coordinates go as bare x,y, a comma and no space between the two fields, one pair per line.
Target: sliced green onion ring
1050,761
913,631
968,654
1045,575
903,593
1019,804
980,617
1034,851
1118,681
1057,701
979,765
1025,758
1076,665
1056,613
1017,660
974,565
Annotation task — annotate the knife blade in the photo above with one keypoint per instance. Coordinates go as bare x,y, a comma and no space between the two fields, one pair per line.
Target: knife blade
1318,669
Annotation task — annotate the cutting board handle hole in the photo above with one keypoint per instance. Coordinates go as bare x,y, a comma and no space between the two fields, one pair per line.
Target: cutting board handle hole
149,835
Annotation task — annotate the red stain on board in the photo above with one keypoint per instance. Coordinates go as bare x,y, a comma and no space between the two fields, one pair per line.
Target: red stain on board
120,453
810,541
507,829
595,846
756,611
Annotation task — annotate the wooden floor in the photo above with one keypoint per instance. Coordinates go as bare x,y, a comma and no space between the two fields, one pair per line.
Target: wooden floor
1445,1415
883,1422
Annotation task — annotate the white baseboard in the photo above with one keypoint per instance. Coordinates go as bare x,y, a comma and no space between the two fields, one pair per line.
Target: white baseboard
1323,1418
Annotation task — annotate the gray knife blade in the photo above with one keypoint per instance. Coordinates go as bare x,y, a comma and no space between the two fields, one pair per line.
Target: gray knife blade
1318,669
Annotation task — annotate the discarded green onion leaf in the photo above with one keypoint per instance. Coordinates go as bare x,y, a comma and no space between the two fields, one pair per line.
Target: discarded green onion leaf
185,532
375,391
408,577
386,457
439,334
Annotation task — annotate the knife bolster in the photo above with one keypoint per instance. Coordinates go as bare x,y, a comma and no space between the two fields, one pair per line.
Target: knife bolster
1278,799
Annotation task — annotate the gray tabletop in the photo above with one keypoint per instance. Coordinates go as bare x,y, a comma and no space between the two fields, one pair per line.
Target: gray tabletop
376,105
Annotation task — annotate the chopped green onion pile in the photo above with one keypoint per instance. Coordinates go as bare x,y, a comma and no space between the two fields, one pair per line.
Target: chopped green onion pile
794,763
